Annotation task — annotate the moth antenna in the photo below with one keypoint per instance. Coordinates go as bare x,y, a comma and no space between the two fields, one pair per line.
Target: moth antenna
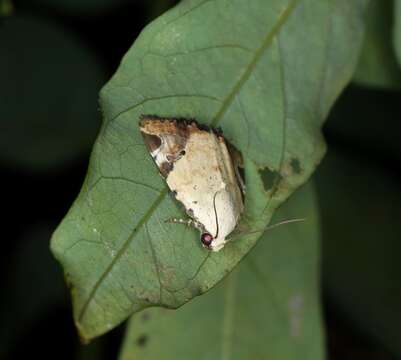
289,221
215,214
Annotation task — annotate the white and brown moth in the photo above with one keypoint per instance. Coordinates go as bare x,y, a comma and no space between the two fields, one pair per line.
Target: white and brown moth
200,168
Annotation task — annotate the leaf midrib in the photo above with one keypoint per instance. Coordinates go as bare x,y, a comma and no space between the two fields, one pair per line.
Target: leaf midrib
251,66
225,104
141,222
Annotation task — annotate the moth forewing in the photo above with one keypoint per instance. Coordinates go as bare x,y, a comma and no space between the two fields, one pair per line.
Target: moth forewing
198,168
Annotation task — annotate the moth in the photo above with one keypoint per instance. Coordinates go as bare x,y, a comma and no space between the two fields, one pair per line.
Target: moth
201,169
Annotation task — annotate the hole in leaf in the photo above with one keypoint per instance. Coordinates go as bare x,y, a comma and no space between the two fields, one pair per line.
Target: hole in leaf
295,166
270,178
142,340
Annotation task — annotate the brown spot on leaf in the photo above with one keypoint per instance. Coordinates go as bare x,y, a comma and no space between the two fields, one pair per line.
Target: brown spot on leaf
270,178
145,316
142,340
296,166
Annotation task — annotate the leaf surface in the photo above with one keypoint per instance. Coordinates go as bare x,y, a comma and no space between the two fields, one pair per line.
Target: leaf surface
267,308
267,73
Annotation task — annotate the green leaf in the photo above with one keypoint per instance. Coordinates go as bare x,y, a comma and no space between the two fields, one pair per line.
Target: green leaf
267,308
377,64
50,82
267,73
365,284
397,30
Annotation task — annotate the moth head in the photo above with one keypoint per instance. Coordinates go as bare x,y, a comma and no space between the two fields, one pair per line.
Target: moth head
212,243
207,240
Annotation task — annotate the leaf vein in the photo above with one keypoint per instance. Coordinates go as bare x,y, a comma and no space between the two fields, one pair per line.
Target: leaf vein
206,48
152,249
120,178
254,61
120,252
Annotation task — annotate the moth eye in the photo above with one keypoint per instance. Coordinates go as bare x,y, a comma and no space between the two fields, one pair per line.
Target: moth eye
182,153
206,239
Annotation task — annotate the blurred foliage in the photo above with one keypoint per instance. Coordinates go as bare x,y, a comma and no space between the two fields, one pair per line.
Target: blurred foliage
361,248
359,194
6,8
94,8
397,29
81,7
33,285
48,98
368,120
378,65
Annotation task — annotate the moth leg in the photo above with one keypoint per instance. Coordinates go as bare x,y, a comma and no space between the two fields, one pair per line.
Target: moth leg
189,222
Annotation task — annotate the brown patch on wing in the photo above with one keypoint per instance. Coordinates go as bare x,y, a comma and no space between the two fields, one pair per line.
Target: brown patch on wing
167,136
153,142
165,168
155,125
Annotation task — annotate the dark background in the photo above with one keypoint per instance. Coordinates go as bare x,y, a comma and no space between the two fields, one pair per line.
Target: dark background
47,129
